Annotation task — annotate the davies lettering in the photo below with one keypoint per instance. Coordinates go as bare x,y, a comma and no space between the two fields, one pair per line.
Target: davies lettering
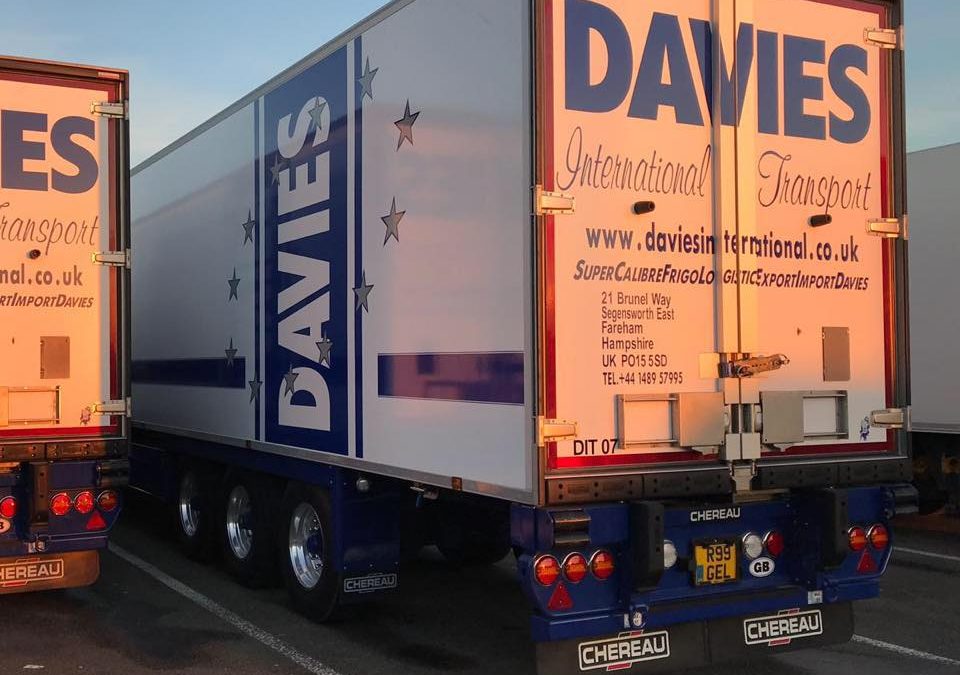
767,62
27,138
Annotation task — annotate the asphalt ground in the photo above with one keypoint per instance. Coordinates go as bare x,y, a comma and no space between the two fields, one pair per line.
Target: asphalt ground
153,611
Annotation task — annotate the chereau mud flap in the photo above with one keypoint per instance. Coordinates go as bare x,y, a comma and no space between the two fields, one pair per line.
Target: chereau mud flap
700,643
44,572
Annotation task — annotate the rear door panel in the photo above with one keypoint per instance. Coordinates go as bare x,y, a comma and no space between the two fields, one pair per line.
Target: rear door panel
59,310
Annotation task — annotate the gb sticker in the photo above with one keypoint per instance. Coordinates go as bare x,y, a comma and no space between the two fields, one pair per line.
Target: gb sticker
762,567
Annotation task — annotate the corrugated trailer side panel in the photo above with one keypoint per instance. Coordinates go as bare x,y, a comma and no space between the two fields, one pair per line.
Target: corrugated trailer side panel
338,268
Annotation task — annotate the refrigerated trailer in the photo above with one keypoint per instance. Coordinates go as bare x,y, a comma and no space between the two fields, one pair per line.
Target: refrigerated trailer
935,244
64,311
551,277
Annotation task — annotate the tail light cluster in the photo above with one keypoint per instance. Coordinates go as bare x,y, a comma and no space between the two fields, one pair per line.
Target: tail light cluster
83,502
862,541
574,569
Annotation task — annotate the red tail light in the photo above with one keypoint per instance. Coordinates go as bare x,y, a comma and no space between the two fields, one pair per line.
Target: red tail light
602,565
878,536
546,570
773,542
108,500
575,568
8,507
60,504
857,538
83,502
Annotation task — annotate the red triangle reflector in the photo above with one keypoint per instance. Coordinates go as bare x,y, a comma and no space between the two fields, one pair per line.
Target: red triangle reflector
867,564
560,600
96,522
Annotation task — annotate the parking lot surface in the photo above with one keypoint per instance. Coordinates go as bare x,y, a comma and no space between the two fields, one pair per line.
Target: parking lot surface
154,611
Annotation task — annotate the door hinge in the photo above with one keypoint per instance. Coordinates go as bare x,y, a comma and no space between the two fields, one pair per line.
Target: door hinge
113,258
891,418
111,109
550,431
553,203
748,366
884,38
889,228
122,408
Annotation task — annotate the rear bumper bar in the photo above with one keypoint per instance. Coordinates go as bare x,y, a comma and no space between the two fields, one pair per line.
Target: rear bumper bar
700,643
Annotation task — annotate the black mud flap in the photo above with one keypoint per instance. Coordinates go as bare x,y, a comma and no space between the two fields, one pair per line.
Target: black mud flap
697,644
28,573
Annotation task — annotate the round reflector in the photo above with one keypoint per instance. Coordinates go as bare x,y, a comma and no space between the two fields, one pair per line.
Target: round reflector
669,554
602,565
108,500
878,535
546,570
574,568
752,545
83,502
857,538
8,507
60,504
773,542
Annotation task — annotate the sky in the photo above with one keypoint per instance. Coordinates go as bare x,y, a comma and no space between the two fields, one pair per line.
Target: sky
189,60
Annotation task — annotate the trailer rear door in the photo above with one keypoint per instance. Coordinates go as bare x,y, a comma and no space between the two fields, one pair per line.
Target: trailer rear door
62,251
711,287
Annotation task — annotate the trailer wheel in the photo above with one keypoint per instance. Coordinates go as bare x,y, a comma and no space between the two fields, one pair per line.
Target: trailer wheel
247,528
193,517
309,574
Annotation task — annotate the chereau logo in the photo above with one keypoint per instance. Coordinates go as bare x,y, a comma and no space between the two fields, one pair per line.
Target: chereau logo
369,584
623,651
23,572
783,628
714,514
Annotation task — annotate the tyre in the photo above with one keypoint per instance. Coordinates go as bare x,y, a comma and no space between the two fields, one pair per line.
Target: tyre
193,514
248,527
307,561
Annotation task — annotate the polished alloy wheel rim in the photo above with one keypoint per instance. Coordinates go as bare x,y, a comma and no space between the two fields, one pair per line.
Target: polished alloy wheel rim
306,546
189,513
239,534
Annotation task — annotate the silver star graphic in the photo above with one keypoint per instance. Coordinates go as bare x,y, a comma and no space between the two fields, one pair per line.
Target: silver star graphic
316,113
289,381
392,221
234,286
366,81
276,169
255,389
405,126
248,228
231,354
325,346
363,294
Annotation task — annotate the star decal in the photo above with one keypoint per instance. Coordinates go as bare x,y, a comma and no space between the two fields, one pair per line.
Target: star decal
405,126
392,221
276,169
234,286
231,352
316,113
290,382
325,346
366,81
248,228
363,294
255,389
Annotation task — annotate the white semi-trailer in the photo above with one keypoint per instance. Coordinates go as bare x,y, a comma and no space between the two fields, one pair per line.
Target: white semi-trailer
935,319
546,276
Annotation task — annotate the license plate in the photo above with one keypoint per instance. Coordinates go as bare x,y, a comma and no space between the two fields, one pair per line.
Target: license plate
715,563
